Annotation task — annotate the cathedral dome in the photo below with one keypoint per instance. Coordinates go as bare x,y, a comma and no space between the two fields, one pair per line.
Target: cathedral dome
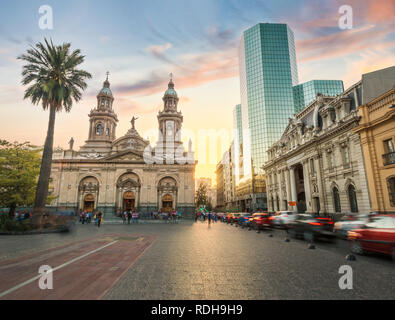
170,91
106,88
106,91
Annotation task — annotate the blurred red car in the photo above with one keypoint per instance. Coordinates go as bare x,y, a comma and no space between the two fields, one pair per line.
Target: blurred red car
260,220
377,235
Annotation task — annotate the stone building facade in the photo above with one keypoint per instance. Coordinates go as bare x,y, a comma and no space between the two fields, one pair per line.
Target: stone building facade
116,174
317,166
377,130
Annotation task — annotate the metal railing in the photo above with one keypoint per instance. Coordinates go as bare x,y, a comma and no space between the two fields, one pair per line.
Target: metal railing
389,158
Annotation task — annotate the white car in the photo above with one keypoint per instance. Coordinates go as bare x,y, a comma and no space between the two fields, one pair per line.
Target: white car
350,222
283,218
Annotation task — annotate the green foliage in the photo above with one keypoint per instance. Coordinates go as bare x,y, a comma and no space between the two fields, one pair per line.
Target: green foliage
8,224
201,197
19,169
52,75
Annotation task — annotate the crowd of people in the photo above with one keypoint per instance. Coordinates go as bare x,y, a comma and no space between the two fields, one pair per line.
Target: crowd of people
206,215
134,217
87,216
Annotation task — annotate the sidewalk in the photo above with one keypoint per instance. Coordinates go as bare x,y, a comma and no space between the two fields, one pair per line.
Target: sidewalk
142,221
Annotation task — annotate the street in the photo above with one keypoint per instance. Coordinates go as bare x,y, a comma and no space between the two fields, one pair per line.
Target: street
186,261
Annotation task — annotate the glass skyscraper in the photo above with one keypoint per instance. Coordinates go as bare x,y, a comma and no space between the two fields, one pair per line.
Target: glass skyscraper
305,93
268,72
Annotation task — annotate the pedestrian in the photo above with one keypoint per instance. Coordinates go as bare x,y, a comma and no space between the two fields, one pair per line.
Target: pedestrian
124,215
89,216
209,217
99,218
129,216
95,218
83,217
135,217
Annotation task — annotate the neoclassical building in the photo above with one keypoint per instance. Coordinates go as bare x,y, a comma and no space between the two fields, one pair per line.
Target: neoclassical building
115,174
317,166
377,130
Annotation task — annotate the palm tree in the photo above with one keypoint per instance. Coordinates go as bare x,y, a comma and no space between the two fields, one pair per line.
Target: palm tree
54,82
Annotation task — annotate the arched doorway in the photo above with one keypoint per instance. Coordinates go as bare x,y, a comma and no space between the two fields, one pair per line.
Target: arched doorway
167,203
336,200
167,194
352,196
89,203
129,201
88,193
300,191
128,193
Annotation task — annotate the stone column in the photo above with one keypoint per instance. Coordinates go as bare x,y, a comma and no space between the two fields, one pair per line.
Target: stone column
280,191
306,179
287,187
320,184
294,196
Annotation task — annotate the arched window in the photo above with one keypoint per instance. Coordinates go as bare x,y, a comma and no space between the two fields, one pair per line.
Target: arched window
107,131
352,197
336,200
107,103
99,129
391,190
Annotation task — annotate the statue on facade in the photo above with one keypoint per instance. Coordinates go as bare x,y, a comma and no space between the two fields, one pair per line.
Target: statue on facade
71,143
133,121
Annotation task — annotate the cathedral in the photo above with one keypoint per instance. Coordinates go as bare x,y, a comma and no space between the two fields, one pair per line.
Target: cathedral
113,174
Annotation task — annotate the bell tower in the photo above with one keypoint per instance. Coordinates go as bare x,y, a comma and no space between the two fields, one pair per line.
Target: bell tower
102,122
170,120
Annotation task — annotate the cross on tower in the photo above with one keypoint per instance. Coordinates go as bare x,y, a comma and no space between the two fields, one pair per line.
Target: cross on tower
171,76
107,73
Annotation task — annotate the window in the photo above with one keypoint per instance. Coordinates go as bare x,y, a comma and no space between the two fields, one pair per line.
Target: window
352,198
107,131
331,160
346,156
102,101
312,169
391,190
389,146
99,129
336,200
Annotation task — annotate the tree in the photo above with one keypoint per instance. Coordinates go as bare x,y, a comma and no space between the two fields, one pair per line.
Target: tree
54,82
201,197
19,169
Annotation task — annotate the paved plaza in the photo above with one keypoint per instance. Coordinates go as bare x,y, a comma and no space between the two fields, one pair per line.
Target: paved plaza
185,261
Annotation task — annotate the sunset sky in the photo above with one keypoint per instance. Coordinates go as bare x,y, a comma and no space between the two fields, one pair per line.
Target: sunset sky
141,42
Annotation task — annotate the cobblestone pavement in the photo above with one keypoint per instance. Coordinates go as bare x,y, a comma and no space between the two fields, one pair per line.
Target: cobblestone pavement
196,261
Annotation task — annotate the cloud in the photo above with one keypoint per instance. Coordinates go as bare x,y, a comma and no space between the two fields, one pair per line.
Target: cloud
193,70
341,43
104,39
158,51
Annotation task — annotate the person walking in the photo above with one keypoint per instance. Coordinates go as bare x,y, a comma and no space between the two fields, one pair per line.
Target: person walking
124,214
129,216
99,218
83,217
209,217
135,217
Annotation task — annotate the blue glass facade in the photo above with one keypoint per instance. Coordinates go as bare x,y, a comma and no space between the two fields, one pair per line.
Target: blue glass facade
268,72
305,93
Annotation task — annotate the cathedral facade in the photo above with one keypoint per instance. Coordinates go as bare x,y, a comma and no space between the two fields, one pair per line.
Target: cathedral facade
112,174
